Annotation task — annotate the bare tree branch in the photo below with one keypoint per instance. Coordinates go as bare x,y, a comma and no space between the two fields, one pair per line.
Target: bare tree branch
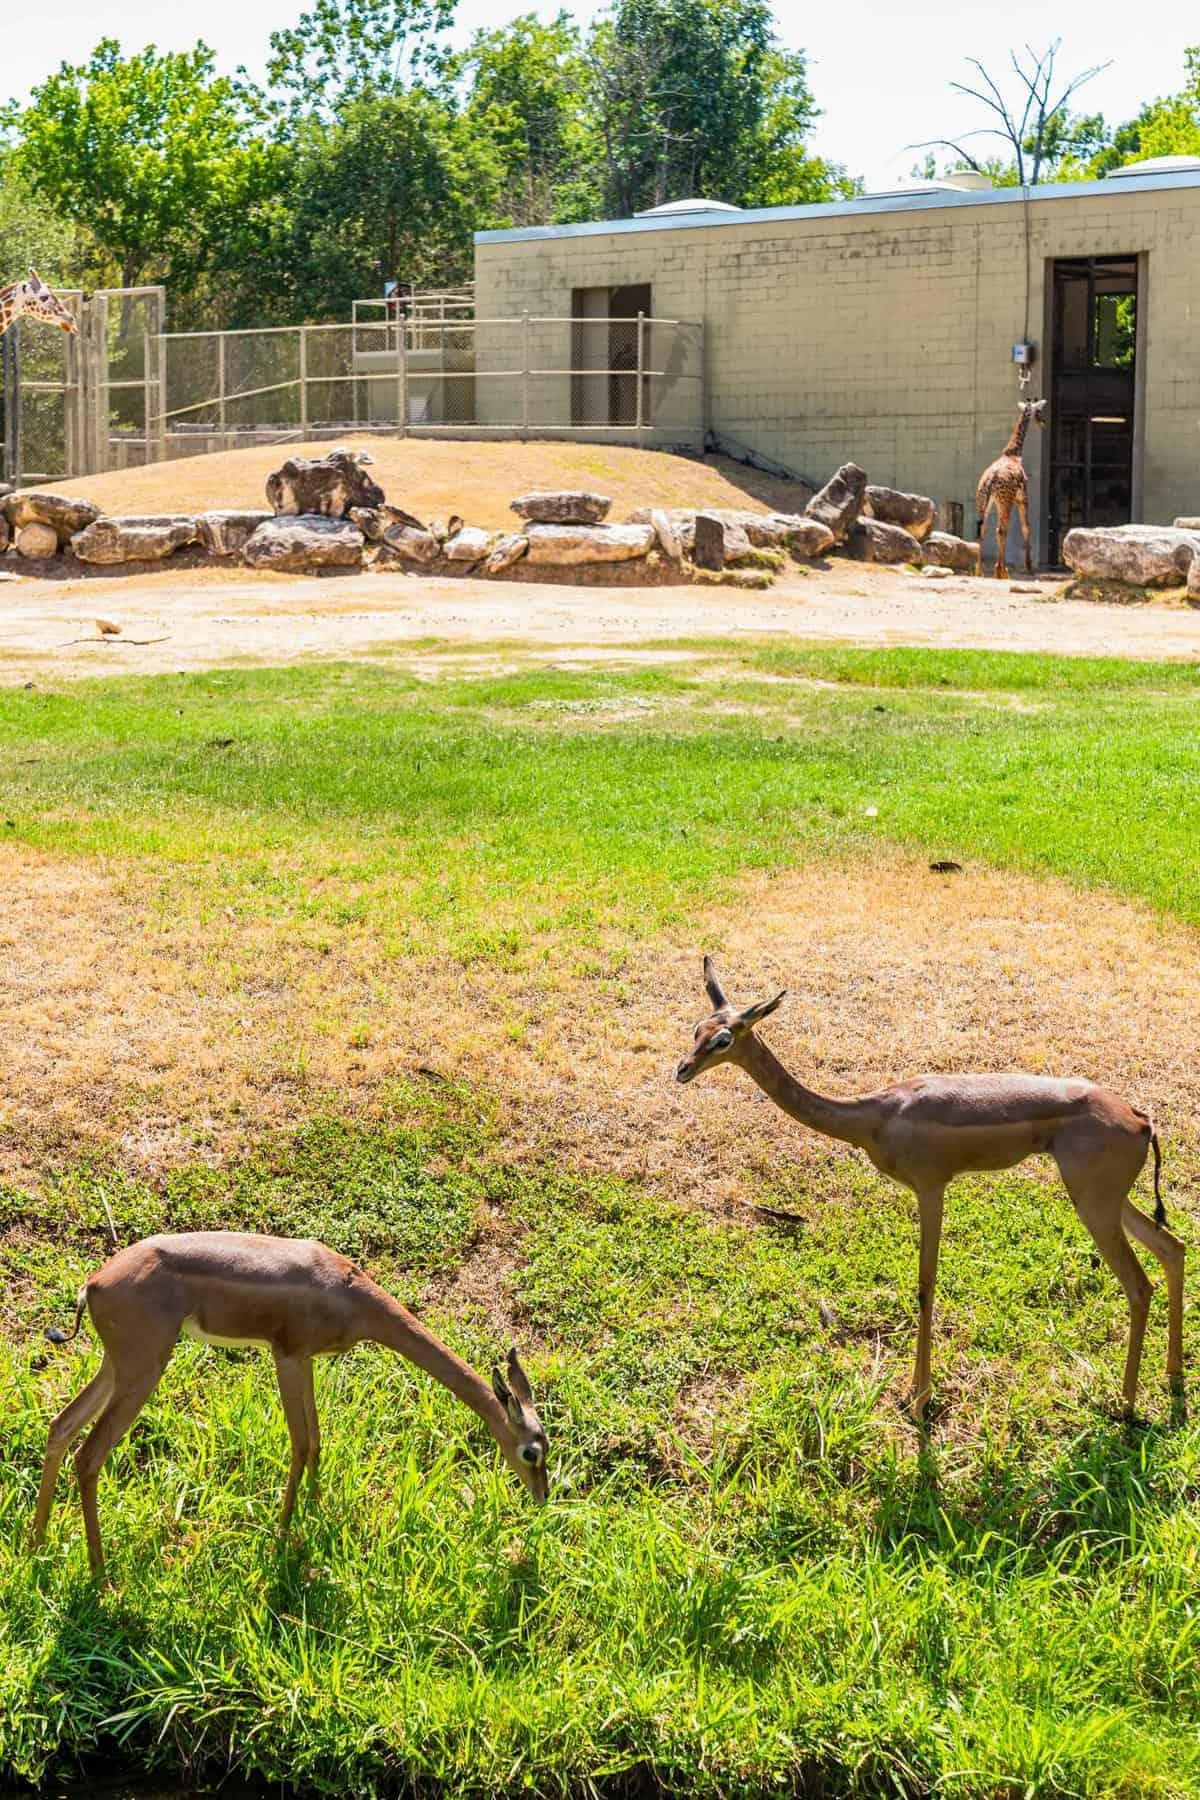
1029,131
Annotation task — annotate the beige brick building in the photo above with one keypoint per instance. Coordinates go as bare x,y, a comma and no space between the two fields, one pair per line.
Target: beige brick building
881,330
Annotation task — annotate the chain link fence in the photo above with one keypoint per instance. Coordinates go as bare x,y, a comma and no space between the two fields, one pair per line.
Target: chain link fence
125,392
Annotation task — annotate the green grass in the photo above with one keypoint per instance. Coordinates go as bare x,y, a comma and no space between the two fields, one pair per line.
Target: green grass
754,1578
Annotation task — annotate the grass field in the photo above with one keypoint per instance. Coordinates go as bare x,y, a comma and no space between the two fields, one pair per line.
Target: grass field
405,963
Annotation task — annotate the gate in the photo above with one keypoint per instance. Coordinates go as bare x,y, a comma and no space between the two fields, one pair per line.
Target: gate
84,403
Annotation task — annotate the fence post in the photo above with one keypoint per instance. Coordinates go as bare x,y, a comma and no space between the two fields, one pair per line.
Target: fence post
11,352
222,419
402,376
641,334
525,377
161,390
147,401
304,380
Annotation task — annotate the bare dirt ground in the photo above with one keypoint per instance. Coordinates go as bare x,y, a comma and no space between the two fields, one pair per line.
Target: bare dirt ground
199,618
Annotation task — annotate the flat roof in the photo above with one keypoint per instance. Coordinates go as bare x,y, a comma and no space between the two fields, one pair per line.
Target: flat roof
1128,187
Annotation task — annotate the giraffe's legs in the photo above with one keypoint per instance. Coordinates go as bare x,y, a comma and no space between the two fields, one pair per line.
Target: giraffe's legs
1003,515
1022,504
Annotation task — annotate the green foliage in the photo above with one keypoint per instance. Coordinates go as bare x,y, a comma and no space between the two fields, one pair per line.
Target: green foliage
1163,127
528,93
146,154
345,50
31,234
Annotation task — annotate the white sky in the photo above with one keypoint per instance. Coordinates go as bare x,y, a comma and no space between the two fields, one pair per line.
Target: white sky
879,69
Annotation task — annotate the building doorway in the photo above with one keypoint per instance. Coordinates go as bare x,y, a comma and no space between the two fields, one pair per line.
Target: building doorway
604,354
1093,386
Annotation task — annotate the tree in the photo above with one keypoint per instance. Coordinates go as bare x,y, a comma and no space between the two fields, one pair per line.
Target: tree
392,189
1165,127
145,152
527,92
31,235
345,50
697,97
1037,127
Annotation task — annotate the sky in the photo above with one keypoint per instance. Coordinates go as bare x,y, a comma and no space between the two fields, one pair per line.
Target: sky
879,71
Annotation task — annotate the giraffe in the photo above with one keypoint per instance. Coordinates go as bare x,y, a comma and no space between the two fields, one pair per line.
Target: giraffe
1003,485
33,300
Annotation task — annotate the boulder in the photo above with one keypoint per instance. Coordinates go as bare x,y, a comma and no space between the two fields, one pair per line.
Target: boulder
133,540
4,533
562,508
6,489
840,501
708,545
765,531
737,544
666,534
912,511
306,541
808,538
570,544
413,545
870,540
1138,555
468,545
947,552
506,551
227,533
1191,523
62,512
36,540
373,521
327,485
1193,586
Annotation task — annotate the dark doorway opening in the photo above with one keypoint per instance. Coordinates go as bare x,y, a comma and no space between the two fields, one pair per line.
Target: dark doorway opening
1093,384
604,339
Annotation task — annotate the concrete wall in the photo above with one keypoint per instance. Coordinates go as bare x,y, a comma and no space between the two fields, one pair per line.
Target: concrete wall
884,336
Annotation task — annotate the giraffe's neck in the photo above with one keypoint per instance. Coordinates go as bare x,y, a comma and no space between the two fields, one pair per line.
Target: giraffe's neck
11,304
1016,442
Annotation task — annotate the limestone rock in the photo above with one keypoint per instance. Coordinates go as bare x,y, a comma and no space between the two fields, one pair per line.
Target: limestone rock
148,539
327,485
227,533
62,512
737,544
1191,523
914,512
1139,555
36,540
948,552
373,521
412,545
665,532
766,531
1193,586
305,541
568,507
567,545
840,501
506,551
872,541
708,545
468,545
808,539
4,533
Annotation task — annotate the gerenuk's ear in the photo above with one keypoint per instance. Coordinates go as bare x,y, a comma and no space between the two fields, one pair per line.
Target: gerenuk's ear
518,1380
753,1014
712,986
500,1388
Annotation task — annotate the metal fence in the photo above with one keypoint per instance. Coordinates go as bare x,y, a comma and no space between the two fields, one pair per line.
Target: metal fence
79,404
126,392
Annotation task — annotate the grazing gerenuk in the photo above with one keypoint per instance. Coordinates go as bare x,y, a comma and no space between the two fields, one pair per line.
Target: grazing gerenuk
924,1132
294,1295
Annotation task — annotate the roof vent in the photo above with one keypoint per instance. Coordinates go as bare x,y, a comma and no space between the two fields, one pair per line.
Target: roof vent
1157,165
905,189
674,207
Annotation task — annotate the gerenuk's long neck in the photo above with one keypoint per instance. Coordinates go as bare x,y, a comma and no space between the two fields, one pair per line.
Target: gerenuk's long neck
395,1327
1016,442
848,1120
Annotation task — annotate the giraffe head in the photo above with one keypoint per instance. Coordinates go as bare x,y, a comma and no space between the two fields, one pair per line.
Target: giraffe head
1034,412
40,302
721,1037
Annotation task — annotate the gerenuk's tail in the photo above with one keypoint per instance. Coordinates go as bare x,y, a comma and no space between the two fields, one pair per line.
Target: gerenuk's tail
1160,1211
64,1337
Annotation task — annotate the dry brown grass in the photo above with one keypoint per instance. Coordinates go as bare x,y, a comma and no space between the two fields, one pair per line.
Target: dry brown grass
435,478
150,1030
